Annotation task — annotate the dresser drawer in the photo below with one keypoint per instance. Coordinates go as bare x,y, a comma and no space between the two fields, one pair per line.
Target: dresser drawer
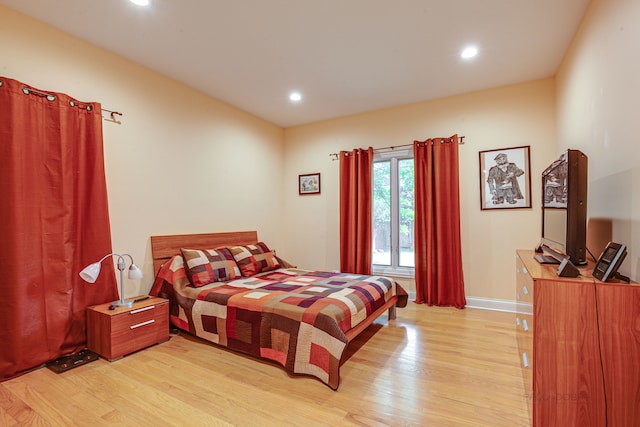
524,337
524,286
139,328
113,334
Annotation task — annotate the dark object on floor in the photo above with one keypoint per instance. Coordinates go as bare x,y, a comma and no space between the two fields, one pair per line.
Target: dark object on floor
65,363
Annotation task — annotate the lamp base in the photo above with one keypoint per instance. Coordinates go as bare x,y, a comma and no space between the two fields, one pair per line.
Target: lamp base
123,303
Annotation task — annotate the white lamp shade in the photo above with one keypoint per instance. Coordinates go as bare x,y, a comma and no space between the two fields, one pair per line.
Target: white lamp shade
135,272
90,272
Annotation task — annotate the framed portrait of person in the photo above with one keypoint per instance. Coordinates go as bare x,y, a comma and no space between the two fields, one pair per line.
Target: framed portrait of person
505,178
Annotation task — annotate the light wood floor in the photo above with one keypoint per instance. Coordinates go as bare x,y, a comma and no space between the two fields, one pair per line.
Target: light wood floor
431,366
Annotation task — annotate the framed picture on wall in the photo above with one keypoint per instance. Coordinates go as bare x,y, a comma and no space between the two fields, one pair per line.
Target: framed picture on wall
309,183
505,178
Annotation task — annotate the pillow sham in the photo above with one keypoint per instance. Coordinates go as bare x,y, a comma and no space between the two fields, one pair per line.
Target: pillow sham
254,259
209,265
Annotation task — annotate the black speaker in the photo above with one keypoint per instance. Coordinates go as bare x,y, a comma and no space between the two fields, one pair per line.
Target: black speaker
567,269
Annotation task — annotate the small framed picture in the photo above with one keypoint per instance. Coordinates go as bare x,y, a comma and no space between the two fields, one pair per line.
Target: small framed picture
505,178
309,183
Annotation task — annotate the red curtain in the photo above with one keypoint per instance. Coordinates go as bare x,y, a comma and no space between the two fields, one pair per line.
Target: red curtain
53,222
355,210
438,268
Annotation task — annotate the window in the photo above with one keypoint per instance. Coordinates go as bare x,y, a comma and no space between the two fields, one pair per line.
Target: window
393,214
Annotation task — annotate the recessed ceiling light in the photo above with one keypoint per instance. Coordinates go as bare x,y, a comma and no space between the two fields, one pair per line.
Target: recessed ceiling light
140,2
295,96
469,52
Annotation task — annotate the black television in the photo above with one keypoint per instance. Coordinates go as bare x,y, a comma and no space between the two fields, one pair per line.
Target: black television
564,209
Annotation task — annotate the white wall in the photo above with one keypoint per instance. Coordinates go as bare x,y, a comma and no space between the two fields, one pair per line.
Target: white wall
511,116
178,161
598,103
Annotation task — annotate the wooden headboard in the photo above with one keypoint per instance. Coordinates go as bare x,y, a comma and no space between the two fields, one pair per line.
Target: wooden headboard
164,247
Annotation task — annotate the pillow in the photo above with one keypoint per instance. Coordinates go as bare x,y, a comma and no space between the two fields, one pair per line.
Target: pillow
209,265
254,259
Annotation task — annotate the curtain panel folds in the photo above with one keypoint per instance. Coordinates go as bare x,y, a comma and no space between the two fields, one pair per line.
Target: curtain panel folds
355,210
53,222
438,249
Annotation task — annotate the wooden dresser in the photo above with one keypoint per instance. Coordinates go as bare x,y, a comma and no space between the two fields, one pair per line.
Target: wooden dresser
115,333
579,345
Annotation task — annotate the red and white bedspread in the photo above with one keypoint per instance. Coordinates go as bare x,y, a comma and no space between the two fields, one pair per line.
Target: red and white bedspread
297,318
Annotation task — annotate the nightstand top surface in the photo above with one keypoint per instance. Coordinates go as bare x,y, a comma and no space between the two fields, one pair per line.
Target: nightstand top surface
104,308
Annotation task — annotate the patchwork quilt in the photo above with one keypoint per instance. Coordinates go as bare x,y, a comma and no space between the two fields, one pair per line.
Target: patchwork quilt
295,317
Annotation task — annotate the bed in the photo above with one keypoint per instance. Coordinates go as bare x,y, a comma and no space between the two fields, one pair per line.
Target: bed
233,290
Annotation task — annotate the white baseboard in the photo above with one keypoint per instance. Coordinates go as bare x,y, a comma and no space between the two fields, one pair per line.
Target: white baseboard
482,303
491,304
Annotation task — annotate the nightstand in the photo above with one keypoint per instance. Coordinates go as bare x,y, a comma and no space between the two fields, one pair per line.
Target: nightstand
116,333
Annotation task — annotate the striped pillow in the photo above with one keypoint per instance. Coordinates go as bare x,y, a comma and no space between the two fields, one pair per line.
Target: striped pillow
254,259
209,265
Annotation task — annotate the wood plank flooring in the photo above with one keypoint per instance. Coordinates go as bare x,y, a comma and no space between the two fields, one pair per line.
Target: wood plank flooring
431,366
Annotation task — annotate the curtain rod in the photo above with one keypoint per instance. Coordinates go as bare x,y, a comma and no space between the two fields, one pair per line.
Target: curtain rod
51,97
112,113
336,156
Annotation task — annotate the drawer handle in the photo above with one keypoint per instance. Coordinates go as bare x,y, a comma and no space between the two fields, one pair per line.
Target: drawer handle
517,321
148,322
140,310
518,296
524,270
525,290
525,360
525,325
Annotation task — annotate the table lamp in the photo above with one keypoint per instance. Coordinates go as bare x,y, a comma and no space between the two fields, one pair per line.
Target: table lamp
90,274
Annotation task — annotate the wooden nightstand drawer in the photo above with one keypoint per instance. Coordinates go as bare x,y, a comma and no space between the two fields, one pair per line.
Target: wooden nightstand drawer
115,333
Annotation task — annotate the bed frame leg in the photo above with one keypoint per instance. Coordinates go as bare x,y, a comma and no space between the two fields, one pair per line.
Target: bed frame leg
392,312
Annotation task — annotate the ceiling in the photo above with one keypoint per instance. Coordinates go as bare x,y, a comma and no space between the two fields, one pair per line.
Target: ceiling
344,56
